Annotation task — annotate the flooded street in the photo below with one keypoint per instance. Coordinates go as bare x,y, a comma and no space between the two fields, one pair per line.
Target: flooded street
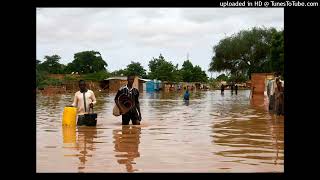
213,133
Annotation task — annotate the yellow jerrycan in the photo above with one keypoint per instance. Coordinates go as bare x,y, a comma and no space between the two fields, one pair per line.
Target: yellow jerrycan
69,116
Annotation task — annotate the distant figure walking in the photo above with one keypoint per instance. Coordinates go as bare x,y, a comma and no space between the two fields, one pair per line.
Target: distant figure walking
222,88
186,95
236,88
279,98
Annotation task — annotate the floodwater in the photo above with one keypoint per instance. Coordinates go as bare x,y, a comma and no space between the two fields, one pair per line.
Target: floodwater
212,133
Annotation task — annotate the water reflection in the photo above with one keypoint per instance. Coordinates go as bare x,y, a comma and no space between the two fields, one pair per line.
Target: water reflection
126,142
278,139
252,137
186,102
259,101
103,101
212,133
69,134
85,144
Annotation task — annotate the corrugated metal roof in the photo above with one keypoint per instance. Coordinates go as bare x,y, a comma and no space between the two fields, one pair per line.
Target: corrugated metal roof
146,80
117,78
125,78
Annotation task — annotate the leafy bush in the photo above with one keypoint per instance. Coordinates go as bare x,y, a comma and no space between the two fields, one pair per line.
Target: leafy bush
99,76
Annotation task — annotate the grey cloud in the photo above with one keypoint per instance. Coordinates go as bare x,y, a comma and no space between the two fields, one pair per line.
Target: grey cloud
151,12
215,15
74,25
144,32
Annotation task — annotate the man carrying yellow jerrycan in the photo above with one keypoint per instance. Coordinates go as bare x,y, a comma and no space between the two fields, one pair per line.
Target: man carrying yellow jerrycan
82,103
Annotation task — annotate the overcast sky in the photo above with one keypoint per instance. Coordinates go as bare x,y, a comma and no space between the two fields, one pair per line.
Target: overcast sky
123,35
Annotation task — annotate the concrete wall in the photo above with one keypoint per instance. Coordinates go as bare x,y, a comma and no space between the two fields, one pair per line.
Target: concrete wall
53,90
73,86
56,76
258,82
115,84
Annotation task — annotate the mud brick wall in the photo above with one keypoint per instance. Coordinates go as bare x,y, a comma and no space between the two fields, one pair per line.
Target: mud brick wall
258,82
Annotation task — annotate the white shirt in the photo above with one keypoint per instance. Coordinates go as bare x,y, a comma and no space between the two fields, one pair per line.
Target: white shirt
274,86
79,102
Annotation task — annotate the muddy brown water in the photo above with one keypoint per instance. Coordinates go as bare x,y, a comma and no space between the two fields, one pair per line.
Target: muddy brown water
213,133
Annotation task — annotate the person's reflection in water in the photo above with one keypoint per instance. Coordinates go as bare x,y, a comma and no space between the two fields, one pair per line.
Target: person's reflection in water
85,144
186,102
127,141
277,138
276,146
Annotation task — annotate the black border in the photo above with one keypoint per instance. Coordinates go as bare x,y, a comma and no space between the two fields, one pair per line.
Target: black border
299,29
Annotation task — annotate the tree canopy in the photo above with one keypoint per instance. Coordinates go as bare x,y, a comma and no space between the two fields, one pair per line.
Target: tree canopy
87,62
192,73
51,64
162,70
249,51
135,68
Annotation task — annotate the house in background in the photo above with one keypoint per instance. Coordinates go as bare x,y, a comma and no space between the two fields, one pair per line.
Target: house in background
152,85
113,84
169,86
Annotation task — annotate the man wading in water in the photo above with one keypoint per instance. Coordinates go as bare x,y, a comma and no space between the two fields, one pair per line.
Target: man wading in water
83,100
134,113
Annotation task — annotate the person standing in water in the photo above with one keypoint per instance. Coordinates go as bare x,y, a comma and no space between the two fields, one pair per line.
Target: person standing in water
186,95
279,98
232,86
222,88
134,114
236,88
83,100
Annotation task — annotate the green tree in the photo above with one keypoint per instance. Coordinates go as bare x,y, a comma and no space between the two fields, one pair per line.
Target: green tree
243,53
97,76
222,77
277,53
51,64
162,70
71,67
199,75
177,74
135,68
40,74
120,72
237,78
187,71
190,73
213,83
38,62
154,64
87,62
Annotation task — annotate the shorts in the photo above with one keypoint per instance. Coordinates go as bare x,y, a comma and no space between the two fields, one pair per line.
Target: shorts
131,115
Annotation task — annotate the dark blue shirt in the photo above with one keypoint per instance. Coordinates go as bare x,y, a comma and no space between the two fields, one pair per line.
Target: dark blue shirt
186,95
